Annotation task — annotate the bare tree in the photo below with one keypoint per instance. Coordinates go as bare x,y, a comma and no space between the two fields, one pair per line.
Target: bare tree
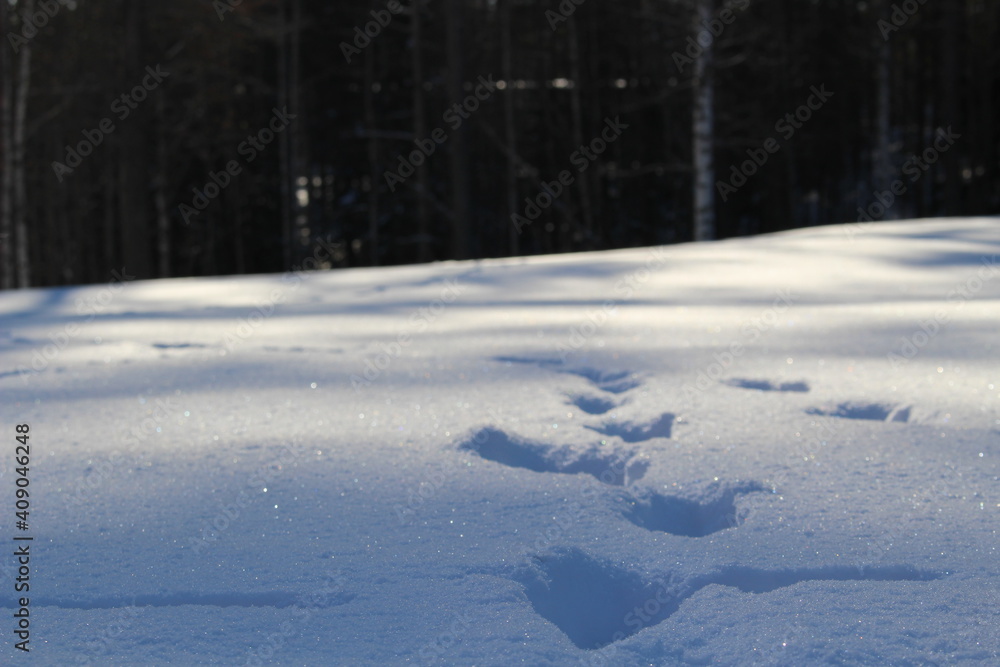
420,132
576,106
18,138
459,144
289,34
882,147
510,129
160,193
703,131
7,163
373,148
133,165
950,99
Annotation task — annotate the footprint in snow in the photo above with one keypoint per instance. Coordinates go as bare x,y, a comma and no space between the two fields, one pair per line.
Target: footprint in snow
616,467
595,602
592,405
767,385
178,346
633,432
612,383
718,510
885,412
617,382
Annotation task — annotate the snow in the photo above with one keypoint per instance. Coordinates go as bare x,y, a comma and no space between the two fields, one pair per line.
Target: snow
779,450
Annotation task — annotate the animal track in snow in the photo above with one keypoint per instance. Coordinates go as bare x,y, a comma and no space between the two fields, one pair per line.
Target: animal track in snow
767,385
615,467
690,518
299,348
632,432
873,411
592,405
178,346
612,383
595,603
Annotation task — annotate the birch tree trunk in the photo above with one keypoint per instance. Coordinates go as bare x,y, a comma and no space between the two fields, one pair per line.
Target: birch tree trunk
576,106
459,145
510,130
703,131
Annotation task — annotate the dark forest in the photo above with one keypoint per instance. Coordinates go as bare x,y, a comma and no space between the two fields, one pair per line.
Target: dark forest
197,137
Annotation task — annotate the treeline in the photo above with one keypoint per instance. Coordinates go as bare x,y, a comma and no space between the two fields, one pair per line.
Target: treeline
201,137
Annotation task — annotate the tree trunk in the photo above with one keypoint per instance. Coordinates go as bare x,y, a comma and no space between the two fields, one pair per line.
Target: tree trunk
459,146
420,132
510,130
160,193
284,138
132,163
373,175
22,86
703,133
6,163
109,182
576,108
881,163
295,132
950,160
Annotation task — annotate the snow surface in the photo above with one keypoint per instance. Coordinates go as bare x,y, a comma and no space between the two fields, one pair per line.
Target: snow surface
779,450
